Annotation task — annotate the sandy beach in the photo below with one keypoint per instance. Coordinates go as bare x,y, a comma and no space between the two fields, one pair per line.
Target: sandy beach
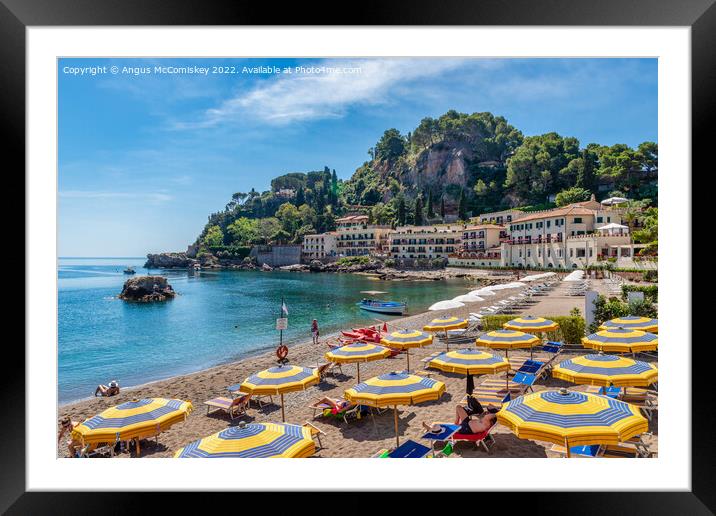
358,438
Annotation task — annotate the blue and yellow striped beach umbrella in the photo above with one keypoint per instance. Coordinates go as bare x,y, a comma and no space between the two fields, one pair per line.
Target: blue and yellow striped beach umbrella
445,324
470,361
357,352
606,370
632,322
531,323
572,418
406,339
253,441
279,381
136,419
621,340
507,340
395,389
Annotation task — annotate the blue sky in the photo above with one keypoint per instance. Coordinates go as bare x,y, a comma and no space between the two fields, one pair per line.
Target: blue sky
144,158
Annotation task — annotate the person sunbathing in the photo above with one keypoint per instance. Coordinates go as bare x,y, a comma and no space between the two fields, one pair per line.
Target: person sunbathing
108,390
67,425
336,405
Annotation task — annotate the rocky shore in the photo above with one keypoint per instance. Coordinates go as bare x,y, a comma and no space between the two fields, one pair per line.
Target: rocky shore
147,289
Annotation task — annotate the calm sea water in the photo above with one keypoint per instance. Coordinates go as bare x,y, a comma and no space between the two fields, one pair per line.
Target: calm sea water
219,316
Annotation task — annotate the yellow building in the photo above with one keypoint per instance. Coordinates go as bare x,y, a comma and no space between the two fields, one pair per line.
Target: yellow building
355,237
480,246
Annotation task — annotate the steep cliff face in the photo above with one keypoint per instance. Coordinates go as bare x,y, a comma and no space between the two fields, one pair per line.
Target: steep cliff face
439,166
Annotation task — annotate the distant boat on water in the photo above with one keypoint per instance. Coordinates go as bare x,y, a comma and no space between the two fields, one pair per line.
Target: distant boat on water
379,306
129,270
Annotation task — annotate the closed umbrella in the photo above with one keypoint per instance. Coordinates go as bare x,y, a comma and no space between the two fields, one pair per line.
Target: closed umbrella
468,298
448,304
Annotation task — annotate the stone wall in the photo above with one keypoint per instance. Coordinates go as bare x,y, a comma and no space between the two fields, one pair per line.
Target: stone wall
277,255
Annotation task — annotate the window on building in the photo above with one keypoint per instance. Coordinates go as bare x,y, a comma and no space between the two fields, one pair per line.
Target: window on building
600,219
581,253
577,220
571,253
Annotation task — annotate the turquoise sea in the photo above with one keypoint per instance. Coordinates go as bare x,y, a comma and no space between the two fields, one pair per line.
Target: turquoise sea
218,317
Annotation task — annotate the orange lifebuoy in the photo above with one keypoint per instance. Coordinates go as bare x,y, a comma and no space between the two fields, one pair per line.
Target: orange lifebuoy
281,352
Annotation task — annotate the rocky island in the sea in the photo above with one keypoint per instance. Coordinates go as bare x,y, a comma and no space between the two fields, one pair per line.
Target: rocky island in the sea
147,289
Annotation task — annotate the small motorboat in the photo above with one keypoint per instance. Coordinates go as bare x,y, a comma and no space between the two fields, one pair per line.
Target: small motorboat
129,270
383,307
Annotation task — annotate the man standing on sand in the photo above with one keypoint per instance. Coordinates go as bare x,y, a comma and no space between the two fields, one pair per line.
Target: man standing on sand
314,331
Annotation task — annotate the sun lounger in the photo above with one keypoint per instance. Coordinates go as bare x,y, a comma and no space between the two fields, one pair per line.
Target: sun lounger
316,432
500,385
611,392
587,451
409,450
234,407
489,397
483,439
350,411
645,399
526,379
324,369
258,399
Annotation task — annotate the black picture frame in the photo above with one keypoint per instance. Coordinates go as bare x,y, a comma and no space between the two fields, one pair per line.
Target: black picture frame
700,15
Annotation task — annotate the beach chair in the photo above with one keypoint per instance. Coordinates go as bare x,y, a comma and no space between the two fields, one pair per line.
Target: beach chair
587,451
646,399
234,407
489,397
409,450
92,450
516,362
527,380
381,454
500,385
259,399
324,370
611,392
316,432
618,451
483,439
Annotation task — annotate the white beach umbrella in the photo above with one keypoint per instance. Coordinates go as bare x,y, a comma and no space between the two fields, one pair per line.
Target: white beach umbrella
468,298
484,292
614,200
574,276
446,305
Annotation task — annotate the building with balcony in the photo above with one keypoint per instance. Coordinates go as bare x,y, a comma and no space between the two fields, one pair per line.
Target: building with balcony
480,246
425,242
316,247
355,237
503,217
563,238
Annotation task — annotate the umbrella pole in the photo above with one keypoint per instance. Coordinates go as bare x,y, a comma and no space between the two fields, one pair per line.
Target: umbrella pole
407,357
566,445
358,368
137,441
283,414
397,438
447,340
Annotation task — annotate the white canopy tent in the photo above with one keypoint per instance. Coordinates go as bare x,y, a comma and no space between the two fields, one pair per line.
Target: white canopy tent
614,229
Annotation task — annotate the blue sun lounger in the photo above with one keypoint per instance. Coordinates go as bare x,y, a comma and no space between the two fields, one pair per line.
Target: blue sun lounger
409,450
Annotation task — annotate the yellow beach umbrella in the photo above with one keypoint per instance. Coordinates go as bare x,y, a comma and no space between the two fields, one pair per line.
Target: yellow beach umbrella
356,353
445,324
621,340
253,440
507,340
279,381
136,419
606,370
407,339
393,389
532,324
470,361
572,418
632,322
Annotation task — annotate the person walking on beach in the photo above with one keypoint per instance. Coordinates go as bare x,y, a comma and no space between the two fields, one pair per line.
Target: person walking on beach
314,331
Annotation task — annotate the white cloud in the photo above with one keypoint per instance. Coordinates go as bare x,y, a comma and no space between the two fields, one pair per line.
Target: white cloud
153,197
305,96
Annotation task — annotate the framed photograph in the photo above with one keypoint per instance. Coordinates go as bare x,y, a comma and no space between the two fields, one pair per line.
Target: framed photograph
266,236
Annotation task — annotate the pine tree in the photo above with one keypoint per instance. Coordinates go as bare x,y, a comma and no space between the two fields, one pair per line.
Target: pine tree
418,217
401,210
442,208
462,206
585,175
300,196
431,211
